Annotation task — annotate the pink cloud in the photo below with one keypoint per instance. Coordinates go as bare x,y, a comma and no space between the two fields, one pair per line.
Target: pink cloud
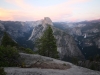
40,12
29,12
5,14
20,3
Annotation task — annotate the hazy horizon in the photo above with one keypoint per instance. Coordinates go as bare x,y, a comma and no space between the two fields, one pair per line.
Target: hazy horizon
57,10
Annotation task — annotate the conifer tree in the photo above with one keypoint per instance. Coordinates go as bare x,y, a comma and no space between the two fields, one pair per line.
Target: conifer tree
7,40
47,44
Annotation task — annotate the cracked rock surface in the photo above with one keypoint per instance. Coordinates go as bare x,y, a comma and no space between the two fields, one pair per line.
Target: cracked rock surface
73,70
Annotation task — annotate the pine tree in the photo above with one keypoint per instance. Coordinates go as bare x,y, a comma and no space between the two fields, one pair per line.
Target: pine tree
47,44
7,40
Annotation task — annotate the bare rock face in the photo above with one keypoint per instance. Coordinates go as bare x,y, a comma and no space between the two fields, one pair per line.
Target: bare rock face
36,33
47,20
2,28
87,36
66,45
87,33
77,31
32,58
19,31
97,42
39,28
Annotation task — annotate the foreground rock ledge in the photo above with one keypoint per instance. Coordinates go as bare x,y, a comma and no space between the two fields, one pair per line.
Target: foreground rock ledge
29,59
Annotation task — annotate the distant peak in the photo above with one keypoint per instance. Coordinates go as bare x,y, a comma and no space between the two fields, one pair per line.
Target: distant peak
47,18
46,21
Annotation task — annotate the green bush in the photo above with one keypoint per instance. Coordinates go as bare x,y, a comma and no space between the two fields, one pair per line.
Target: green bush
23,65
9,56
2,72
64,64
25,50
7,40
74,60
92,66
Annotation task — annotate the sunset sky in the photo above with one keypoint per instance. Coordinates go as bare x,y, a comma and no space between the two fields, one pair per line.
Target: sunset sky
57,10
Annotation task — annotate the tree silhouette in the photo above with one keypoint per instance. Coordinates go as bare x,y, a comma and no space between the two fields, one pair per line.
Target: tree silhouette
7,40
47,44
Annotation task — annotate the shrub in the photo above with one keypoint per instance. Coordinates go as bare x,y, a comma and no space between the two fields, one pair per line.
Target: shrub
74,60
23,65
64,64
9,56
2,72
26,50
92,66
7,40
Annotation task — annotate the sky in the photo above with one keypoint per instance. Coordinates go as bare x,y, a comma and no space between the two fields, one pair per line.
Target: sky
57,10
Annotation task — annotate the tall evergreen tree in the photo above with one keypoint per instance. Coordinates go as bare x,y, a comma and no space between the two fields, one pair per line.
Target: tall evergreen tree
47,44
7,40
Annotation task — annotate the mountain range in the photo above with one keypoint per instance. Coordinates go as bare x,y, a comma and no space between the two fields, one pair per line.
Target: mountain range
80,39
86,34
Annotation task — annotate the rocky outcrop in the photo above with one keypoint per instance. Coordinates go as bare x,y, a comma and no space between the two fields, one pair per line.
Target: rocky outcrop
89,32
38,30
66,45
30,58
97,42
94,65
76,31
87,36
47,20
2,29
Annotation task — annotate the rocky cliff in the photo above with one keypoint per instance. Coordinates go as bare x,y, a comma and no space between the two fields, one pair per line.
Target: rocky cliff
86,35
89,40
25,34
32,59
66,45
2,29
19,31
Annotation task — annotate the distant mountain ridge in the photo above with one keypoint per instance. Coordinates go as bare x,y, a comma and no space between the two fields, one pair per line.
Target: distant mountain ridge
19,31
86,35
66,45
25,33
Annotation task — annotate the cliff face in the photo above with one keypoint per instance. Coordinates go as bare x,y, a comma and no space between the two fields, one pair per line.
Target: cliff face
2,29
25,34
19,31
66,45
87,36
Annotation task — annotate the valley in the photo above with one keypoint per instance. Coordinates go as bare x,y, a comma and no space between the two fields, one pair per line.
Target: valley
78,43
